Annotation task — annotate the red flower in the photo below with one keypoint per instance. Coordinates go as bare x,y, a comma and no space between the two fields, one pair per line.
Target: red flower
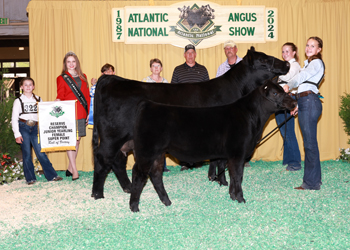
8,157
2,163
4,156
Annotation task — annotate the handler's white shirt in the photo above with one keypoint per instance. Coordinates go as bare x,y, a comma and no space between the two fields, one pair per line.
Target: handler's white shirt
293,71
312,72
17,109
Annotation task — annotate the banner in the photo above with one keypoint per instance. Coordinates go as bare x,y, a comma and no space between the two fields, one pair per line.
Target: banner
57,125
91,113
204,24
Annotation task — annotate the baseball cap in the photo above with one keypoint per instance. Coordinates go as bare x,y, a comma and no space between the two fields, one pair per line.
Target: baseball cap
229,43
190,46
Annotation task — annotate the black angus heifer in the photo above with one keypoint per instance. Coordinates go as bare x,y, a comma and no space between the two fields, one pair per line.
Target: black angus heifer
115,105
193,134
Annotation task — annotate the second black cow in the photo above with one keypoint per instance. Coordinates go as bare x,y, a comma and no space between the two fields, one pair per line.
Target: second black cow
194,134
116,100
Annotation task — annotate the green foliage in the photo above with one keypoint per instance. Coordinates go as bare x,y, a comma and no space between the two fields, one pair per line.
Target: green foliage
7,140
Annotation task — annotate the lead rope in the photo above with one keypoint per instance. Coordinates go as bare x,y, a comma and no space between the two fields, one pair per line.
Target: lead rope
285,121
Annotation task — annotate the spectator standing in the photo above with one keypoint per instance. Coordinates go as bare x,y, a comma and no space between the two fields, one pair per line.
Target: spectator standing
106,69
230,50
190,71
156,68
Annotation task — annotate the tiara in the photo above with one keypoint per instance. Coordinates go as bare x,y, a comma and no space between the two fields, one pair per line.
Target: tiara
70,53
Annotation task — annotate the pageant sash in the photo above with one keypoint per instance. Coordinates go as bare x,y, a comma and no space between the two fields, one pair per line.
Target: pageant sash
57,125
77,92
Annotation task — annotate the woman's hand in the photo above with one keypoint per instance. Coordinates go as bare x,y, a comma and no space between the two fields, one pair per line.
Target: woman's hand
87,120
286,88
19,140
294,112
93,81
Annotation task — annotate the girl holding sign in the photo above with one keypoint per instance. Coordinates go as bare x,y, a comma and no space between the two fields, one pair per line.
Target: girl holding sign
25,129
72,84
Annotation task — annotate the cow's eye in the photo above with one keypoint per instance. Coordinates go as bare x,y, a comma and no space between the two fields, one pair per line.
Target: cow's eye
274,93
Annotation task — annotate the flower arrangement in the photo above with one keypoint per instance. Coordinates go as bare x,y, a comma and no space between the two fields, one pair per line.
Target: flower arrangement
10,169
344,155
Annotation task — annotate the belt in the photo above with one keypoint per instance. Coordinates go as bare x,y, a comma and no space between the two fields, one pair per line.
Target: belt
292,94
305,93
30,123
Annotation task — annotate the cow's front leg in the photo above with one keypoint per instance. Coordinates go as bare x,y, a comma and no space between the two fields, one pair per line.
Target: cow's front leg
100,173
221,172
139,179
235,168
156,176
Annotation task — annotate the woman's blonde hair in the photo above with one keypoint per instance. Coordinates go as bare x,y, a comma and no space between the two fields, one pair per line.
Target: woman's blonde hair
77,68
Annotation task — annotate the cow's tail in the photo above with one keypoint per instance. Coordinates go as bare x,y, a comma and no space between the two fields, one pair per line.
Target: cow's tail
95,135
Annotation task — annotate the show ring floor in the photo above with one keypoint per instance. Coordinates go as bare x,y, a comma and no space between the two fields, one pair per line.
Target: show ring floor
62,215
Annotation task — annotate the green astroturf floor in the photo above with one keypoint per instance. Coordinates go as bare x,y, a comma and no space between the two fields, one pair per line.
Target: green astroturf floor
62,215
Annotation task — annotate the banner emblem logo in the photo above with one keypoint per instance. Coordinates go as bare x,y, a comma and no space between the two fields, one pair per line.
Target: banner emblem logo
57,111
195,23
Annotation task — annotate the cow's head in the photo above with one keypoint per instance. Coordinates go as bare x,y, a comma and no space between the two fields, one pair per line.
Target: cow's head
276,98
261,62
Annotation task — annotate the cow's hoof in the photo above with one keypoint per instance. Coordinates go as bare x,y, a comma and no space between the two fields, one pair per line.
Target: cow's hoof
240,200
233,197
223,183
167,203
212,178
97,196
134,208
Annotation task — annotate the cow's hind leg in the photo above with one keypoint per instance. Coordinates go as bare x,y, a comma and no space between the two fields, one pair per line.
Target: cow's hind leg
106,157
156,176
119,169
139,179
235,168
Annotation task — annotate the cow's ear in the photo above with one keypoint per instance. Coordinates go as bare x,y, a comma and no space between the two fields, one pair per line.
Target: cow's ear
252,48
250,57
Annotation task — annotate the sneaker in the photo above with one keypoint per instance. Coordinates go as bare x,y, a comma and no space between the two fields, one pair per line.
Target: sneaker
184,168
165,169
293,168
57,178
247,164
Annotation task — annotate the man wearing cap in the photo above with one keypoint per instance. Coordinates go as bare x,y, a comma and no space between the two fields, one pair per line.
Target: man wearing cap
190,71
230,49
